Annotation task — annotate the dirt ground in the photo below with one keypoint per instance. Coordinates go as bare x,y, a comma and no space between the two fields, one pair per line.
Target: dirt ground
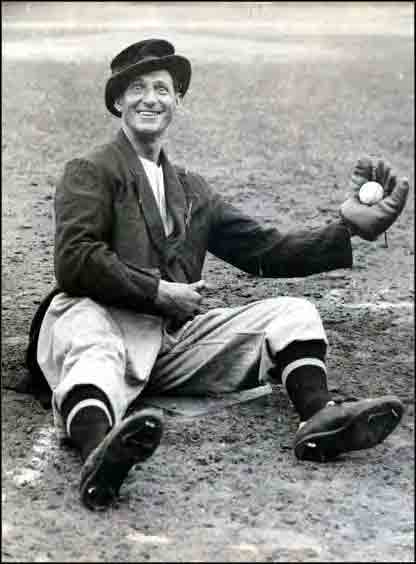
283,100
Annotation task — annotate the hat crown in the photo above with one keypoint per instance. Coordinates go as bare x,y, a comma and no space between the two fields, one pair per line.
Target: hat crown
141,51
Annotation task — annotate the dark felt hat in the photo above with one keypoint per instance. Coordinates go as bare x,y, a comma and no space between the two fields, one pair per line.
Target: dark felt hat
141,57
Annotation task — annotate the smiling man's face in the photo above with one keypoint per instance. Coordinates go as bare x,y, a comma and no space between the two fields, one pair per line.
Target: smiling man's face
148,104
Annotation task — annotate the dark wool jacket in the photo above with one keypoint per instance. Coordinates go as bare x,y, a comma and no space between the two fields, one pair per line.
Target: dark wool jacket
110,244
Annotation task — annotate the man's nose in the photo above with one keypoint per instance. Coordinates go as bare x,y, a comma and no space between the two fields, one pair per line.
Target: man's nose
149,97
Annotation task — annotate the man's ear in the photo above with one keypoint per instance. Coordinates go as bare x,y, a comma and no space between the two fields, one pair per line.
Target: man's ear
178,97
118,105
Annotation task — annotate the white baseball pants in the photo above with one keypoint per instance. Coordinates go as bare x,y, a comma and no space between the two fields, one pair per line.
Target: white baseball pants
123,353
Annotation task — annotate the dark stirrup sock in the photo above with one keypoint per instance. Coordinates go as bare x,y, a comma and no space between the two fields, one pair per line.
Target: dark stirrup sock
303,373
307,389
88,417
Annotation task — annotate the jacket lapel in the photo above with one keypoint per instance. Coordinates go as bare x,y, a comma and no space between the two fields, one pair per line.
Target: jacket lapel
143,190
175,196
169,249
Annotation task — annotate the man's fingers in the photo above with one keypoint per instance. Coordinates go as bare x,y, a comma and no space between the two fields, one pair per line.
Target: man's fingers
400,192
200,285
390,184
365,162
209,286
395,202
388,173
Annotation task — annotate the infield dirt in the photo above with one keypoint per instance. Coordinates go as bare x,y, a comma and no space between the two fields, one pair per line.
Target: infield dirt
282,102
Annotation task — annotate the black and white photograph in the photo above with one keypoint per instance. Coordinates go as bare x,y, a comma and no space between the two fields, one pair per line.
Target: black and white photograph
207,281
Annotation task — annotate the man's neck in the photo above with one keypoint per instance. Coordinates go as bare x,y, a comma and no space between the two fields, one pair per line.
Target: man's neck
146,148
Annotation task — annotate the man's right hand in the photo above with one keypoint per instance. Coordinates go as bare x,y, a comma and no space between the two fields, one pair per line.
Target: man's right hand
180,301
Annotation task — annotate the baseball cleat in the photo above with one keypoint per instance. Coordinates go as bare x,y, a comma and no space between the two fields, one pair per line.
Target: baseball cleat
343,426
132,441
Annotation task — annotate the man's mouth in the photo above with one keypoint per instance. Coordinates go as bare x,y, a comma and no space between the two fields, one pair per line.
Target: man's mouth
148,113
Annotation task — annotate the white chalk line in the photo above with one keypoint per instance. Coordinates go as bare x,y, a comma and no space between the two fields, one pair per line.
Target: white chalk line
380,305
42,450
77,48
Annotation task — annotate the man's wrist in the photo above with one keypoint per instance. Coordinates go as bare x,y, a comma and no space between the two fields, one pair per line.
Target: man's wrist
160,294
347,225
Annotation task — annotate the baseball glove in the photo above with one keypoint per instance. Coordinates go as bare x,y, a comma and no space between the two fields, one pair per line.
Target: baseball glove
368,222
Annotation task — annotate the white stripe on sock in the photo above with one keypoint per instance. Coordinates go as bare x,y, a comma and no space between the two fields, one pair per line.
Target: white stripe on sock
301,362
83,404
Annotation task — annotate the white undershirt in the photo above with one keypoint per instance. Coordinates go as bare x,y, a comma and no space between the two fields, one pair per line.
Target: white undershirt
157,183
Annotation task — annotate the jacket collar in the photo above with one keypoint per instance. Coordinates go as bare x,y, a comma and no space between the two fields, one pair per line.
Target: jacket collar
175,195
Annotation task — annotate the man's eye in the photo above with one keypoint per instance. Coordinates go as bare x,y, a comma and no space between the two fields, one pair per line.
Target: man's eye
162,90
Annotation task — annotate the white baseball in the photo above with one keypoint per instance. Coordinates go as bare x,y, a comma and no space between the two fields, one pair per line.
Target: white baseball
371,193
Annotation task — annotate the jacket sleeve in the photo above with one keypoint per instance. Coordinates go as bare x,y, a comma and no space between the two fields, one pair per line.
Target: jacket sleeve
85,265
240,240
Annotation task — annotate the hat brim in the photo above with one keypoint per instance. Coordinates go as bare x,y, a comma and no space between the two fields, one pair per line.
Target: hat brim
178,66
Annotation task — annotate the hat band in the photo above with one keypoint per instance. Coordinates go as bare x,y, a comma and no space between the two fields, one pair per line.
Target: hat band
130,64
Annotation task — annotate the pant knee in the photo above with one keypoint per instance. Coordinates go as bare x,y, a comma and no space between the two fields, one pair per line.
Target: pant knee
295,319
296,305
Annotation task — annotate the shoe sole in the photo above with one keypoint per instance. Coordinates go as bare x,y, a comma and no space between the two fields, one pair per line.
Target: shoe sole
364,430
133,441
